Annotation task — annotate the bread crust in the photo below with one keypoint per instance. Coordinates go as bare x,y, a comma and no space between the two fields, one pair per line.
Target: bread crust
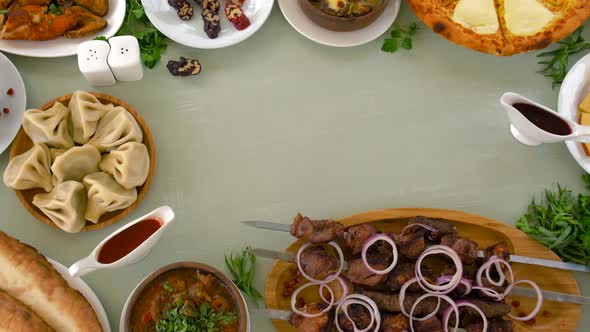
502,42
28,276
17,317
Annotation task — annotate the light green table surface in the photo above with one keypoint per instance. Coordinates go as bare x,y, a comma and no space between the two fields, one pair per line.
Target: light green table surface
279,124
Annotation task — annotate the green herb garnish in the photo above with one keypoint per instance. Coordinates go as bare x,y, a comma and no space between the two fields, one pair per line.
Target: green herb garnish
561,221
205,319
167,287
4,11
556,68
55,10
242,266
101,38
151,41
400,36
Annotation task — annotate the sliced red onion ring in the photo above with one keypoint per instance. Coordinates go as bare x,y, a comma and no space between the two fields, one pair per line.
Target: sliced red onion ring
539,299
329,278
447,278
458,304
402,295
366,302
439,297
494,261
369,243
343,285
305,314
455,280
490,292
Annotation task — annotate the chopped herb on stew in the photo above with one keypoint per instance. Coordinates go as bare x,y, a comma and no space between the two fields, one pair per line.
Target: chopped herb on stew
167,287
204,319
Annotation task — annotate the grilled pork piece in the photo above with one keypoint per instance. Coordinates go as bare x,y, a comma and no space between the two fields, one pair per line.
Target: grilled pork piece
322,323
410,244
390,302
316,231
402,273
432,324
494,325
465,248
316,261
499,249
442,228
469,271
490,308
356,236
359,315
358,273
395,323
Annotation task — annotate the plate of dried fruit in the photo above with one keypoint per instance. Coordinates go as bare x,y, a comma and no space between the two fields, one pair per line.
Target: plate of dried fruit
208,24
13,101
417,233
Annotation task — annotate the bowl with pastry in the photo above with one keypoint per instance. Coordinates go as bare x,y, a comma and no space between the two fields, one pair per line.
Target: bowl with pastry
55,28
198,295
343,15
87,177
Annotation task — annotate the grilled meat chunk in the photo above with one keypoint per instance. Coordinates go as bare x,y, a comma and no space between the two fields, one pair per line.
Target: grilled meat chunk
499,249
356,236
442,228
359,274
469,271
494,325
401,274
432,324
359,315
316,231
490,308
465,248
395,323
410,244
322,323
390,302
316,261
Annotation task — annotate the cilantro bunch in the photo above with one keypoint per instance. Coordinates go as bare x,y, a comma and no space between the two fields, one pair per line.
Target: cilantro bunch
400,36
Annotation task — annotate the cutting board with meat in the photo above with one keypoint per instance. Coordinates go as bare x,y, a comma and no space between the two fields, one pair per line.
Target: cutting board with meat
470,233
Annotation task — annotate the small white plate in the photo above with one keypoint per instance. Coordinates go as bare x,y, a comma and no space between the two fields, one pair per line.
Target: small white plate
10,123
297,18
190,33
62,46
86,291
574,88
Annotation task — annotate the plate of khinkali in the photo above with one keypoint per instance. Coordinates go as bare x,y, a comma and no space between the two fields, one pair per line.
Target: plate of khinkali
82,161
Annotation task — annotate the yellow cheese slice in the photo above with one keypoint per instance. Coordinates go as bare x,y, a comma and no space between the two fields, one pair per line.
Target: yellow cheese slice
526,17
585,121
477,15
585,104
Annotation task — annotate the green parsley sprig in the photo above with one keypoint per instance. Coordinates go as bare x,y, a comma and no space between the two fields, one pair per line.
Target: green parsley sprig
561,221
4,11
205,319
242,266
400,36
55,10
557,66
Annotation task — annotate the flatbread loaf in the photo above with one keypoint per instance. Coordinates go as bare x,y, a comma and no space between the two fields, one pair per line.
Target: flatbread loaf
27,276
17,317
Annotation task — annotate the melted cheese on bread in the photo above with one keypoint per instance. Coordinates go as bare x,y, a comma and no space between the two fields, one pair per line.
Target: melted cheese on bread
477,15
526,17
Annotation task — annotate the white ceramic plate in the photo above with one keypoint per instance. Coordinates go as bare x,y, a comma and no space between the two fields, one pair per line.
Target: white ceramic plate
86,291
10,123
190,33
574,88
297,18
61,47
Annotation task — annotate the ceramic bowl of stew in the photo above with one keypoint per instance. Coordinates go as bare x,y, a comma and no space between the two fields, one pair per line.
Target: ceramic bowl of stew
356,14
187,291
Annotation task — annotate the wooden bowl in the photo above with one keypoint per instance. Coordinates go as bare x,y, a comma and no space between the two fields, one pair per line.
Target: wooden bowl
563,316
22,143
341,24
243,314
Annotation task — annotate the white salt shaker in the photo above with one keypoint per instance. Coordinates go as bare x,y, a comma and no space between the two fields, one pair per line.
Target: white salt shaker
92,61
125,59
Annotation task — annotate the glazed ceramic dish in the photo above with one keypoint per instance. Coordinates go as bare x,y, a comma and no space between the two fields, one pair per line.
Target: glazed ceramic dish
573,89
564,316
16,104
295,15
242,309
190,33
61,47
337,23
22,143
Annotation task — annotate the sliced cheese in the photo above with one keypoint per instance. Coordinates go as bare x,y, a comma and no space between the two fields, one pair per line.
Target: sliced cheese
526,17
477,15
585,121
585,104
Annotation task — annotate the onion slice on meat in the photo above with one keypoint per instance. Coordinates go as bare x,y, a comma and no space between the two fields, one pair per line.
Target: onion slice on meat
366,302
453,307
539,299
465,282
306,314
329,278
453,282
486,268
402,295
458,304
343,285
369,243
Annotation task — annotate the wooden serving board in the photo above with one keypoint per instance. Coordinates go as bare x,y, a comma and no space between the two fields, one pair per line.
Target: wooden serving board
561,317
22,143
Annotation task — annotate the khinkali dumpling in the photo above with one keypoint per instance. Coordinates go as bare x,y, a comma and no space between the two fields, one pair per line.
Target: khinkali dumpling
86,111
54,153
116,128
64,205
30,169
49,127
105,195
76,163
129,164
